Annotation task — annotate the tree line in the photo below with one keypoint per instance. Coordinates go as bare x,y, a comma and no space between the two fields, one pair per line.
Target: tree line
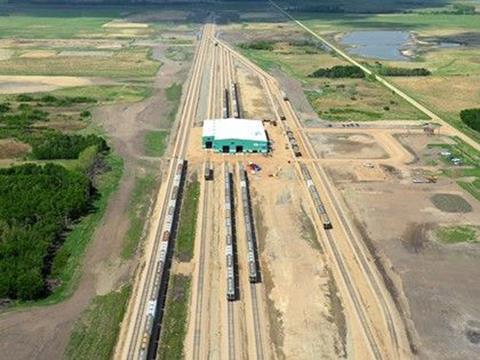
38,203
64,146
259,45
339,71
400,71
471,118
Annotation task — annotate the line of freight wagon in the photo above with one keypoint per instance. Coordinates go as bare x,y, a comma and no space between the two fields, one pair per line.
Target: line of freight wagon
157,296
312,189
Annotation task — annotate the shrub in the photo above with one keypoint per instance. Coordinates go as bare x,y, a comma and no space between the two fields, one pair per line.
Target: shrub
339,71
64,146
4,108
85,114
399,71
259,45
471,118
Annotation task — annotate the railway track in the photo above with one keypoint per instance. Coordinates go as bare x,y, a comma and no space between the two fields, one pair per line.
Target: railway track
256,322
197,336
357,247
206,215
132,341
252,260
276,99
231,330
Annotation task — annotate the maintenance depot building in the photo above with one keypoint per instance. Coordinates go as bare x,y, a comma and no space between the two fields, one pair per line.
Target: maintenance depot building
234,136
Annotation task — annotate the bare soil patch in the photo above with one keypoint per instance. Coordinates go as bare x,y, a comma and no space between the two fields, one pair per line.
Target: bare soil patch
98,53
346,146
38,54
27,84
254,101
434,282
119,24
13,149
6,54
302,314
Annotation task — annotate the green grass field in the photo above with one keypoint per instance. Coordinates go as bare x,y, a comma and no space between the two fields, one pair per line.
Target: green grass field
174,95
467,176
175,320
50,27
95,333
345,22
457,234
188,222
155,142
108,93
140,201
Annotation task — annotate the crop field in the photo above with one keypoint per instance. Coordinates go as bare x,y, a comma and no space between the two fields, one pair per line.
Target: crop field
461,91
134,62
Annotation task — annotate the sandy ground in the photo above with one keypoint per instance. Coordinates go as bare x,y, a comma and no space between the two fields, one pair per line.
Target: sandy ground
6,54
119,24
303,324
26,84
351,146
45,330
38,54
11,149
98,53
434,283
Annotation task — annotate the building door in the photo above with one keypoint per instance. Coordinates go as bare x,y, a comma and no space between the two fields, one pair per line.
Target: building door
208,145
239,148
226,149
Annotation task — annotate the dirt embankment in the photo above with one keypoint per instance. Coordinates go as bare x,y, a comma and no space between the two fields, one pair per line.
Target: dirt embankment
43,333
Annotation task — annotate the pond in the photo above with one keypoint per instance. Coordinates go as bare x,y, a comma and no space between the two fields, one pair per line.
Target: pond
377,44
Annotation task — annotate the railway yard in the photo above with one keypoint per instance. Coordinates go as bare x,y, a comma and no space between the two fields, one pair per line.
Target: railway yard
286,181
286,259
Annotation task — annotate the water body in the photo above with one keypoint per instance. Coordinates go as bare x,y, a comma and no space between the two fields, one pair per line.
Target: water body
377,44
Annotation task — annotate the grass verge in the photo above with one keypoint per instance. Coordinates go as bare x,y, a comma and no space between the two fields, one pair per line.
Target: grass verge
155,142
467,176
457,234
67,262
188,222
174,94
108,93
175,320
139,204
95,333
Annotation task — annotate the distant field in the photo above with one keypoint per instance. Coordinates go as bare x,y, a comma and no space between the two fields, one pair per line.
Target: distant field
339,99
45,27
296,61
133,62
445,95
342,22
